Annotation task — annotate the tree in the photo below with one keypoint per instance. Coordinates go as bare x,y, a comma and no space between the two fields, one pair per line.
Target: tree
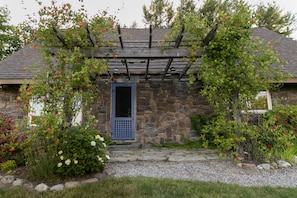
9,35
186,6
134,24
236,67
64,86
160,14
210,10
272,17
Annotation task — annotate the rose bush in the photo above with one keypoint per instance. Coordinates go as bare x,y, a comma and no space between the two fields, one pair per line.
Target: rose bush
272,138
81,150
11,141
276,133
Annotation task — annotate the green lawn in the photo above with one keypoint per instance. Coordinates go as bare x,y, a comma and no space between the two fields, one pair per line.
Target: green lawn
151,187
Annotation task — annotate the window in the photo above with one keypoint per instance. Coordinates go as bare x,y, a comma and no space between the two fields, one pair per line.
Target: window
77,106
36,110
261,104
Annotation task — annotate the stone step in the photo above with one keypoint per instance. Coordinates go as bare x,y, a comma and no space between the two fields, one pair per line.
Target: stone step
124,146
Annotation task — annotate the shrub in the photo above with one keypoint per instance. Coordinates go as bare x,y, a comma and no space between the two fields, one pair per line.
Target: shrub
8,165
220,134
42,145
273,137
81,150
40,163
276,133
198,121
11,141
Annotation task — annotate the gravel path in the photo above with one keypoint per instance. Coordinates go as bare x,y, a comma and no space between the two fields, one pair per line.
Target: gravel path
208,170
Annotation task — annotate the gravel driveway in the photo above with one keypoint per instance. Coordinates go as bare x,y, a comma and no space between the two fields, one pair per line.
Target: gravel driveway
207,170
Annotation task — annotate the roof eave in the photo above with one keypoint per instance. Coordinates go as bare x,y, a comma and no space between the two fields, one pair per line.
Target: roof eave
14,81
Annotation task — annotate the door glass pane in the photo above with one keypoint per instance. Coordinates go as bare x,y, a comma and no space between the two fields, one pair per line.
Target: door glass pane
123,101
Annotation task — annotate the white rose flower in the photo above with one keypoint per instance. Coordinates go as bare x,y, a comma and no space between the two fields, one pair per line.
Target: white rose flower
93,143
61,157
101,139
97,137
59,164
100,159
67,162
75,161
107,157
104,145
60,152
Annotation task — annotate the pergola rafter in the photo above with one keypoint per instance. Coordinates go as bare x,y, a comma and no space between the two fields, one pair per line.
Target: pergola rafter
204,43
177,43
91,36
122,46
141,56
60,36
150,46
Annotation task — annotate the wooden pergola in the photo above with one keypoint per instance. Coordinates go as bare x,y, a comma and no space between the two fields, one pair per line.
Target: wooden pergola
143,56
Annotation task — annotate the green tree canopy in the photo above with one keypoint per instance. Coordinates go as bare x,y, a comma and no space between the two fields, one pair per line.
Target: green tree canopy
9,35
210,9
160,14
186,6
237,65
272,17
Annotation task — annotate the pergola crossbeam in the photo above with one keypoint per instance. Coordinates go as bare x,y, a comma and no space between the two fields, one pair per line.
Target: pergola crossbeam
132,53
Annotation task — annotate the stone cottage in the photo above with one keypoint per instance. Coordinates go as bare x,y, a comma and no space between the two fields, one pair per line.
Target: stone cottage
145,98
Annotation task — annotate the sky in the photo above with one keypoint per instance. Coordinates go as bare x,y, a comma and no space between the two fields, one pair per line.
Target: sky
126,11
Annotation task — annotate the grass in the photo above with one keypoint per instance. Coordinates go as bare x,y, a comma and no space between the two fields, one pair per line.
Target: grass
187,144
143,187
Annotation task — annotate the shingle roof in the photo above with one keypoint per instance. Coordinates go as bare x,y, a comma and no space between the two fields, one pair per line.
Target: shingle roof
18,66
285,47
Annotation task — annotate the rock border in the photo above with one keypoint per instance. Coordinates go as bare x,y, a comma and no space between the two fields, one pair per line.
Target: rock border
13,181
266,166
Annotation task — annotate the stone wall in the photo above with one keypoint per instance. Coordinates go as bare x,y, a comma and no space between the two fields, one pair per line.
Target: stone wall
163,110
102,110
8,102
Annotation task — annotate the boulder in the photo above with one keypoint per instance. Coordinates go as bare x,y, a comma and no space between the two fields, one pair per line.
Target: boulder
71,184
8,179
41,187
283,164
89,181
18,182
57,187
264,166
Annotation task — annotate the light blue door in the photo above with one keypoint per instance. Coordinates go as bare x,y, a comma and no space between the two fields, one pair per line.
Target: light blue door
123,96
